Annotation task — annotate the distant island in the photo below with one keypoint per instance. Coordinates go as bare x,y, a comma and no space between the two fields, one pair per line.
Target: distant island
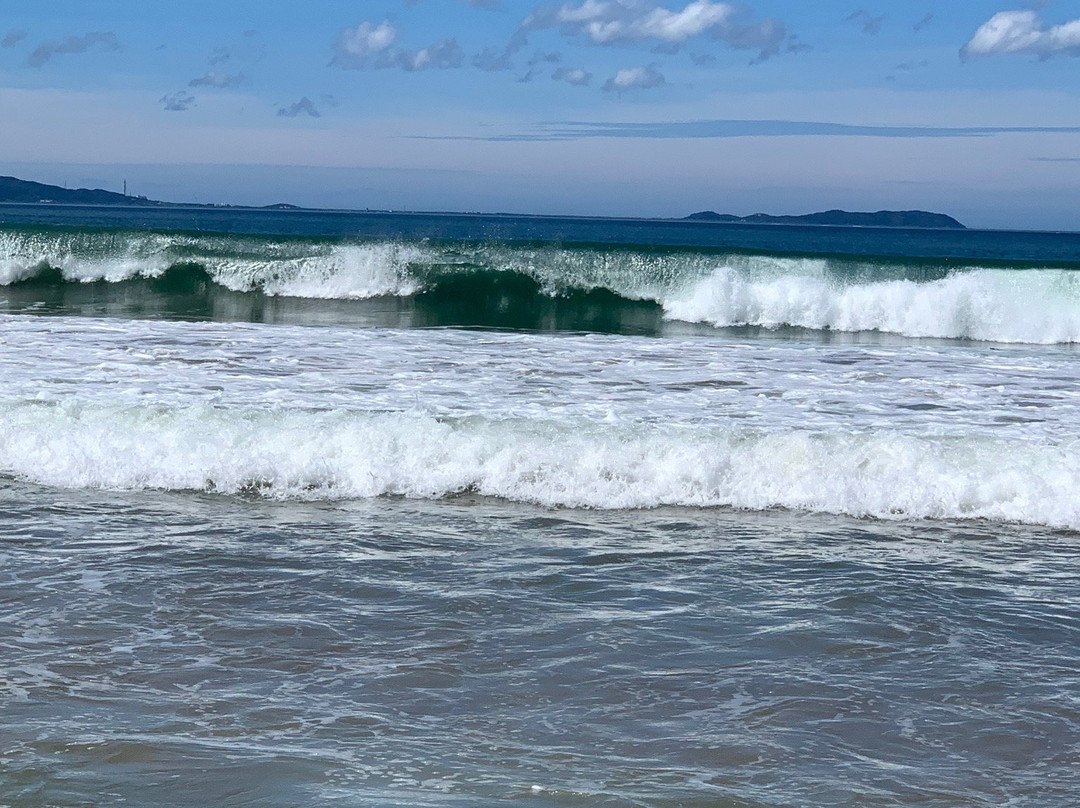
841,218
14,190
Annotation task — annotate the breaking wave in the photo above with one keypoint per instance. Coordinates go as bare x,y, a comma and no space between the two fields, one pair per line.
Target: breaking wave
1032,306
341,455
518,285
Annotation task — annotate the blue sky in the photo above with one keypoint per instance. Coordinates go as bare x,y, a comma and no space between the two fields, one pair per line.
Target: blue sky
606,107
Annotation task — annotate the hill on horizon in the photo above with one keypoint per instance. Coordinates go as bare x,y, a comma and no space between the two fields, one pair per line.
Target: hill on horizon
15,190
12,189
842,218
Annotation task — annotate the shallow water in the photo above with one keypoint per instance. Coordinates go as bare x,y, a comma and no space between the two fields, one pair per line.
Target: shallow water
190,649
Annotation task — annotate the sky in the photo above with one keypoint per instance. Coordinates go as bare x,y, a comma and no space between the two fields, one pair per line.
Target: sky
586,107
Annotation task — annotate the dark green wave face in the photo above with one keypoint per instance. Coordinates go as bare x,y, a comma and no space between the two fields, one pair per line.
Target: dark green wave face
527,286
481,299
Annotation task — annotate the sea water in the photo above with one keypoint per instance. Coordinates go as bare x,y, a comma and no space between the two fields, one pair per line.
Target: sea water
343,509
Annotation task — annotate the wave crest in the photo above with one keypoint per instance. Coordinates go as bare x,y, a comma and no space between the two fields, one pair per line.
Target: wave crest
1031,306
470,284
340,455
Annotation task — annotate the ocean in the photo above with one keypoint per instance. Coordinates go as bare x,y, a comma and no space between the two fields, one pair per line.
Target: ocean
305,508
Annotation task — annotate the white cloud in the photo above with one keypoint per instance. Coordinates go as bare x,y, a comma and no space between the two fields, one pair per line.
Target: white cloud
1022,32
370,45
354,46
659,23
442,55
575,76
609,22
634,78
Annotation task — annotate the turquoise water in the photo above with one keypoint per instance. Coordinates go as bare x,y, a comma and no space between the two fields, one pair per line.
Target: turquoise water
380,510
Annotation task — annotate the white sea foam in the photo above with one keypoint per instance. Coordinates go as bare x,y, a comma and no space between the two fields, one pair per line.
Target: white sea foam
286,268
313,455
1033,306
83,258
342,272
1040,306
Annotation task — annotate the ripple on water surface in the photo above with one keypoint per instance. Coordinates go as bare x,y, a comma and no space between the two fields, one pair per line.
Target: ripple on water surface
181,649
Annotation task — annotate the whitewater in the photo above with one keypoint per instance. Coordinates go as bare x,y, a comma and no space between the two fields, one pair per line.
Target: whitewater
310,508
1021,302
557,420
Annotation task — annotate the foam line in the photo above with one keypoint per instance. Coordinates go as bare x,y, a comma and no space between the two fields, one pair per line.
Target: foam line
291,454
